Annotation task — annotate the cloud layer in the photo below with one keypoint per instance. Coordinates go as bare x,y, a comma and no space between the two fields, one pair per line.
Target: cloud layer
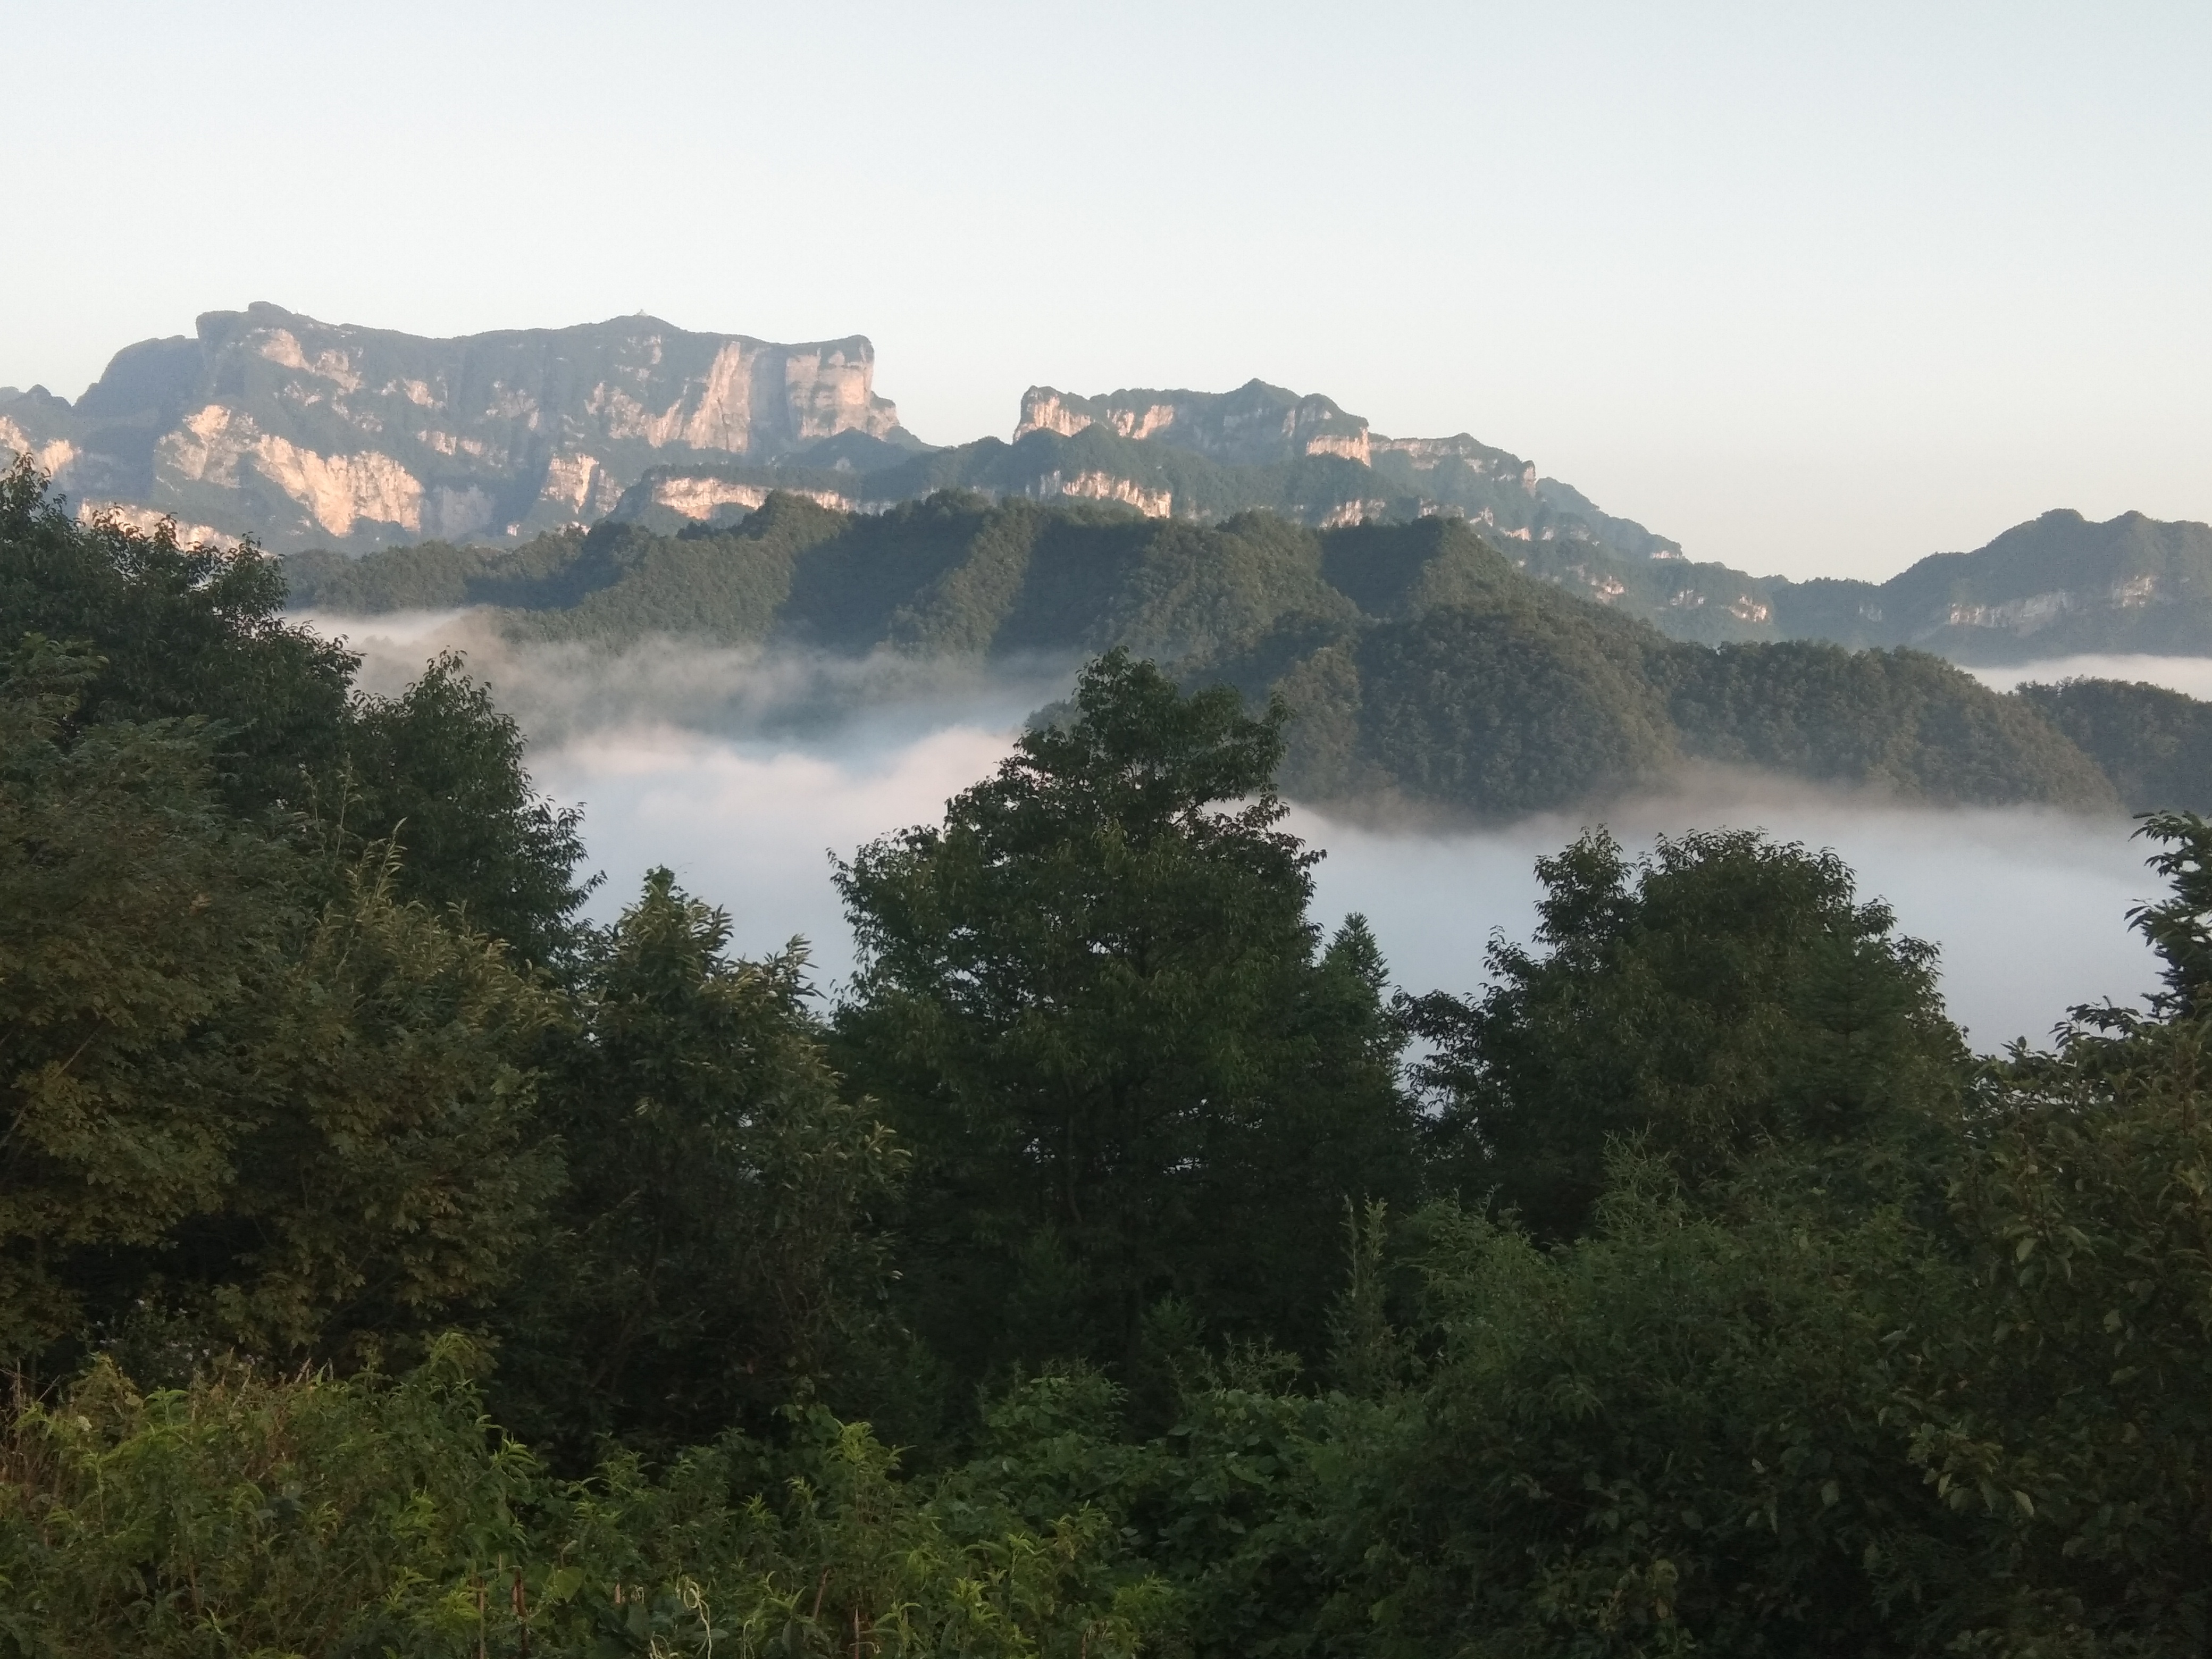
746,771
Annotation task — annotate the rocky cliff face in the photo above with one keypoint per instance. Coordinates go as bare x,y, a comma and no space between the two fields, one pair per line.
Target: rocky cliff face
1256,425
300,432
1264,431
306,434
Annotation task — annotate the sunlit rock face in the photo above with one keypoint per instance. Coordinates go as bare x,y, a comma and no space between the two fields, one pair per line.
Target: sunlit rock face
302,433
1256,425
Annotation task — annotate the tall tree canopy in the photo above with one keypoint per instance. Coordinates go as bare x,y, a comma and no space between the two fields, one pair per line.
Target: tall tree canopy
1723,991
1093,1003
180,631
235,1109
716,1247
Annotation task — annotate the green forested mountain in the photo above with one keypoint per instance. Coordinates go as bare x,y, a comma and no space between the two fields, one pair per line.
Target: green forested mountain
394,1262
2154,745
1418,660
2056,586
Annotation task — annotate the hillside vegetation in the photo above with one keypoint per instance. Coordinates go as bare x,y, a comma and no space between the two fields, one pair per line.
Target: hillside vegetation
1418,660
396,1261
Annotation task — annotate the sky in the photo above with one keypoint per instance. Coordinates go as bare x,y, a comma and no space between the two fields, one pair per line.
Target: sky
1814,289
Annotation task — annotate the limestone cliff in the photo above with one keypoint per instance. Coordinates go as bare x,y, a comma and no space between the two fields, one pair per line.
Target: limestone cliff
1202,457
1269,433
1256,425
296,431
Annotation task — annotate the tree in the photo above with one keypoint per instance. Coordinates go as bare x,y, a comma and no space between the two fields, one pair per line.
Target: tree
1722,992
231,1115
140,929
714,1251
397,1162
180,632
1093,1004
2073,1412
170,633
438,769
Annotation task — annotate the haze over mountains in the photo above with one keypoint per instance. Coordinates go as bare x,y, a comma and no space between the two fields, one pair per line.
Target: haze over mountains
1452,630
1458,637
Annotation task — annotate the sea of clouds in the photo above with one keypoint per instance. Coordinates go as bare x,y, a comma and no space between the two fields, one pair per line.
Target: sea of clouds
747,772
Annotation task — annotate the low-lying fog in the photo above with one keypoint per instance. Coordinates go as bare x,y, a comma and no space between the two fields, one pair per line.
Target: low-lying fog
2192,675
744,774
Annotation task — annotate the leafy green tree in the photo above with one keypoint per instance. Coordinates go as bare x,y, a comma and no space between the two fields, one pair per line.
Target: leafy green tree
180,632
715,1250
2071,1415
396,1166
142,930
174,633
1722,992
2073,1412
2179,927
439,770
231,1116
1680,1433
1093,1004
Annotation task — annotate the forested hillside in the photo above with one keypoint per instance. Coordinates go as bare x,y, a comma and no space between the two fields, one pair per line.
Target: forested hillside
2153,744
1420,662
394,1262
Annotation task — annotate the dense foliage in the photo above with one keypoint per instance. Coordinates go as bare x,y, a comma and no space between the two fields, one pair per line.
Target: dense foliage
393,1262
2154,745
1723,995
1093,1003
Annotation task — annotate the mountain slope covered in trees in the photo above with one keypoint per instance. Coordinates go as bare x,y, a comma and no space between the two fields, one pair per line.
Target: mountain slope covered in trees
1419,661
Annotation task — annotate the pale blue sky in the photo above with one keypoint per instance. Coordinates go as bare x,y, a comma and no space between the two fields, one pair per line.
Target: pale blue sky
1814,288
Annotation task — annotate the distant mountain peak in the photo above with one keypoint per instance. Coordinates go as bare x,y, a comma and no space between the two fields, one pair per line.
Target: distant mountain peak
1256,425
270,422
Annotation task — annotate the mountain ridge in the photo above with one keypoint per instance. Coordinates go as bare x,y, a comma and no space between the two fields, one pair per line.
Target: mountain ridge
1422,666
270,423
267,422
302,435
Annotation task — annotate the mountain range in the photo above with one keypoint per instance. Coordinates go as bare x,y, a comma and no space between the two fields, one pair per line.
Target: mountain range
306,434
299,433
